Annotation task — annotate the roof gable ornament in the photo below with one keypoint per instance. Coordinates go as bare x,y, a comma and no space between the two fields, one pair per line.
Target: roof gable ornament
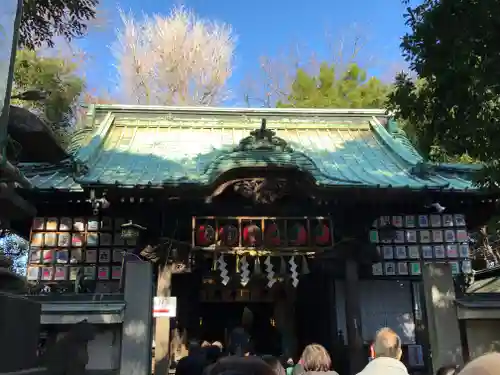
263,139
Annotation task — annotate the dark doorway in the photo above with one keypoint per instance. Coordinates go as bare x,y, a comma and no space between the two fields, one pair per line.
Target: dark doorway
219,318
315,319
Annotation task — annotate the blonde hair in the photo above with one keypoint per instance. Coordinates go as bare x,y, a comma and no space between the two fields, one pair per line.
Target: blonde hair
316,358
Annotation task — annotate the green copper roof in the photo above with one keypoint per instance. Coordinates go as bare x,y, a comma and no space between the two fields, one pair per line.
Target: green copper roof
45,176
148,146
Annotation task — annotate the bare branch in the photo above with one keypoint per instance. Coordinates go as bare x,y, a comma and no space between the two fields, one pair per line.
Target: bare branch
176,60
276,74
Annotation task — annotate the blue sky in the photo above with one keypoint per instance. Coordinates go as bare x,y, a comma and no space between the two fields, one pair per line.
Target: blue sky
268,28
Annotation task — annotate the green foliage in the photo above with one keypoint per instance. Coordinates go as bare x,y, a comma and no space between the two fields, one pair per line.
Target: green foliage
351,89
454,106
42,20
55,76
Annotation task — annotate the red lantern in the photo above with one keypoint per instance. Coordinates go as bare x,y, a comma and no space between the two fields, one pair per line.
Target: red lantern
205,235
272,235
322,235
252,235
228,235
298,235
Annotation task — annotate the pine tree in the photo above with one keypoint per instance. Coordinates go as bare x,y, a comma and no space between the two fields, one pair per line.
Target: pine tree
351,89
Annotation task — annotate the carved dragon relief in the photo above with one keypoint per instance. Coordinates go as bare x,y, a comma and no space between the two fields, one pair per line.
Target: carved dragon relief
261,190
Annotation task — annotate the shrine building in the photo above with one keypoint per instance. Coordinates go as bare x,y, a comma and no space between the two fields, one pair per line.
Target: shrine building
326,224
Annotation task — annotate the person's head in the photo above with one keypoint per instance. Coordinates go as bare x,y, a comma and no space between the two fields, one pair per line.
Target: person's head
241,366
193,347
387,344
240,345
286,361
315,358
212,354
487,364
275,364
448,370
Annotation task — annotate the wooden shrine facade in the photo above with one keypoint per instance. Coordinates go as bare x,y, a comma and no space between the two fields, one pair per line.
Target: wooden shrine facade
245,204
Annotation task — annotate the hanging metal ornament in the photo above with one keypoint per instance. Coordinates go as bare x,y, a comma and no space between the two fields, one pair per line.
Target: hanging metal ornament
270,272
256,266
223,270
245,271
293,270
304,268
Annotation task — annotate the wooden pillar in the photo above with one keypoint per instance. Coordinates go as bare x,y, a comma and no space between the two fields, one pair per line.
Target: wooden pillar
357,357
162,329
444,330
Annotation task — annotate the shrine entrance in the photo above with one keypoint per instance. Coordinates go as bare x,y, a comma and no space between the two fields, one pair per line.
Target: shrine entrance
219,318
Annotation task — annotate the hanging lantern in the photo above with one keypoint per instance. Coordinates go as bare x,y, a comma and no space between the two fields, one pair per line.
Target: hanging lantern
297,235
131,231
252,235
205,235
272,235
228,235
322,234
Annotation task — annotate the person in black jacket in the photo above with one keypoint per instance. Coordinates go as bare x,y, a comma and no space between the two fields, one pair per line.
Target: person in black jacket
193,363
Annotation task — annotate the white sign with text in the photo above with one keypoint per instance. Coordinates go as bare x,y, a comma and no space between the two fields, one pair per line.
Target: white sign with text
164,307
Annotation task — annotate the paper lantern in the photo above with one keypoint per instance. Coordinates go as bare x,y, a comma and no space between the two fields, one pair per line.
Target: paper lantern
252,235
205,235
322,234
272,235
297,235
228,235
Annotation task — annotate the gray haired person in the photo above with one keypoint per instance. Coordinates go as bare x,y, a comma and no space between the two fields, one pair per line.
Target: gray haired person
387,352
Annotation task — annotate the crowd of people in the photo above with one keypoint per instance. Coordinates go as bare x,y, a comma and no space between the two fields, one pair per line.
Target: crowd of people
238,359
